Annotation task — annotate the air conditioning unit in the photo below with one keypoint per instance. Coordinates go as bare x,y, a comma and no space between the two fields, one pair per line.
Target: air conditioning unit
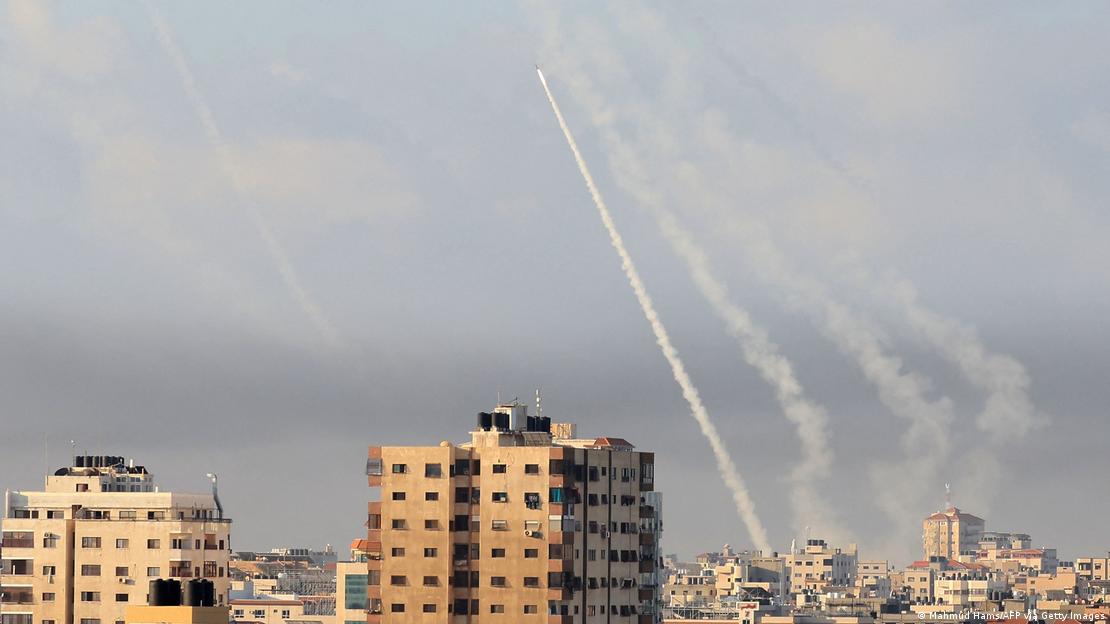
529,533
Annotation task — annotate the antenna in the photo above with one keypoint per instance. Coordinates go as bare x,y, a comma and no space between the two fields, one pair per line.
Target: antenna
947,496
539,405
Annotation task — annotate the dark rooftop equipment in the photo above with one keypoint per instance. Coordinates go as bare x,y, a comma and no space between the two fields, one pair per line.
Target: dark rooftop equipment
545,424
501,421
485,421
165,593
199,593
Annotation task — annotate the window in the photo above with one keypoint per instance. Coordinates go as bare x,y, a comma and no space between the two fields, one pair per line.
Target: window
500,525
153,544
497,608
374,467
122,571
500,497
398,579
90,542
400,524
531,553
285,613
49,541
87,596
122,543
433,470
499,468
397,607
429,607
48,597
90,570
398,496
431,525
397,552
400,469
532,500
530,609
531,469
88,621
497,553
532,525
555,495
431,552
154,572
497,581
127,515
431,581
531,581
431,496
121,597
49,570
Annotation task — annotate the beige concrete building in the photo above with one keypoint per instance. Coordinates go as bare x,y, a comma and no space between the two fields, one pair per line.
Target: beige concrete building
141,614
751,574
1093,568
698,589
85,549
267,610
951,534
516,525
350,590
873,578
817,565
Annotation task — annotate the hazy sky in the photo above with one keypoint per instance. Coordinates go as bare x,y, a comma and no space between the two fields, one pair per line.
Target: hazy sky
407,164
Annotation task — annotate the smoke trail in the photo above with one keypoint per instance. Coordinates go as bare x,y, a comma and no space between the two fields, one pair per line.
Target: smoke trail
810,420
1008,411
744,505
212,132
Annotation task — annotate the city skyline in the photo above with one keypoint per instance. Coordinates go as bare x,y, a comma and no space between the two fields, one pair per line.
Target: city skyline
253,240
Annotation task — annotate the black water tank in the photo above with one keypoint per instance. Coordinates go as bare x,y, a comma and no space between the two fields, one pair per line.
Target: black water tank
171,596
154,594
209,598
485,421
531,424
545,424
501,421
193,593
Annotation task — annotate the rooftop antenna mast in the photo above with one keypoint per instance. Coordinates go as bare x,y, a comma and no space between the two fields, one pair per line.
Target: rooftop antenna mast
947,496
539,405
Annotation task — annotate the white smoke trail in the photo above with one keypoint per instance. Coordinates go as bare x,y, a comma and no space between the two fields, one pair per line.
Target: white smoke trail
744,505
1008,413
212,132
760,351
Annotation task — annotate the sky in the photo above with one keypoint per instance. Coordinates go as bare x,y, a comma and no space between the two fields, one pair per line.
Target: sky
382,230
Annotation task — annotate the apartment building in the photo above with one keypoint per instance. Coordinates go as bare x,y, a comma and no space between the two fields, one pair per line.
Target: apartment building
86,547
351,584
1093,568
818,565
951,534
873,578
749,574
525,522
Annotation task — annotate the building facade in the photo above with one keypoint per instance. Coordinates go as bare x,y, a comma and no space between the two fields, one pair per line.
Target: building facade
951,533
85,548
525,522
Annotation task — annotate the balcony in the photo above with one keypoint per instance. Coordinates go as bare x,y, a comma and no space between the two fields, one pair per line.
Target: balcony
17,539
647,566
13,596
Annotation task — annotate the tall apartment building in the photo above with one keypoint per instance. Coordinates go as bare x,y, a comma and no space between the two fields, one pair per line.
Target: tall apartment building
523,523
951,534
85,548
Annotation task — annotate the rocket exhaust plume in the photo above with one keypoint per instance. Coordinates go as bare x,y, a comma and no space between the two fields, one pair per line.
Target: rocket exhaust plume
744,506
288,274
